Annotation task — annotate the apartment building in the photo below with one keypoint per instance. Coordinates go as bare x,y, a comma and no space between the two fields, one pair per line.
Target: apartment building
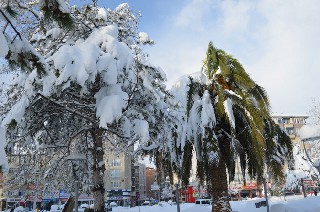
118,177
150,180
140,180
23,187
291,124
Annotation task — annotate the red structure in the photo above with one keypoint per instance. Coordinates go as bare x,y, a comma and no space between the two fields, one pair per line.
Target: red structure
189,194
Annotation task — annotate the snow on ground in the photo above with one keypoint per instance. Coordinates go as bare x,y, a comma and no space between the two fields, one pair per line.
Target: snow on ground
288,204
277,204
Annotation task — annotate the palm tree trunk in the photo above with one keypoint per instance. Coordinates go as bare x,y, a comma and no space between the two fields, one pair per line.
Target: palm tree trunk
98,171
219,187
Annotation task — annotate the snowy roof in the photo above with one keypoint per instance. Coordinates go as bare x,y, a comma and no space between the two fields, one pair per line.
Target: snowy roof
290,115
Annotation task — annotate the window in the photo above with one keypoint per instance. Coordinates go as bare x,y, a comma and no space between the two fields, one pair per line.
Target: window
115,162
116,184
115,173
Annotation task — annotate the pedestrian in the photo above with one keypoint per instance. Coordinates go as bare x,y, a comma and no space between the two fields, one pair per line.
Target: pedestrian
315,192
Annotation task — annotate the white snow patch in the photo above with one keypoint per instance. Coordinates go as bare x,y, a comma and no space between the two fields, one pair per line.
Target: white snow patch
144,37
102,14
230,92
16,112
54,33
228,109
141,128
37,37
3,157
64,6
3,45
110,102
207,114
109,108
309,131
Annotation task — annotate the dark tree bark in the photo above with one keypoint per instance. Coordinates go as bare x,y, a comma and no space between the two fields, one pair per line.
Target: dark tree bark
69,205
219,187
98,171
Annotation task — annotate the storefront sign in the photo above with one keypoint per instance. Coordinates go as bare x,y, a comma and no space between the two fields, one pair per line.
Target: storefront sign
63,195
249,186
13,199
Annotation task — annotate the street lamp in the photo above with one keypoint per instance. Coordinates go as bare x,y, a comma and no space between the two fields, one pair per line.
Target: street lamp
156,188
37,175
76,157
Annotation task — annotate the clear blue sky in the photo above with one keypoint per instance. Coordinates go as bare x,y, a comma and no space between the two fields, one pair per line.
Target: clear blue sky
276,41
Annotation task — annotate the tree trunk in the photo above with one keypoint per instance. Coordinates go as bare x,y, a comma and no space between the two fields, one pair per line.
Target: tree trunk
69,206
98,171
219,187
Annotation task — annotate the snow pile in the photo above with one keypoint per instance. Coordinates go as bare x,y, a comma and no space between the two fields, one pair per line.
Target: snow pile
303,168
309,131
102,14
63,5
101,53
144,38
16,113
196,113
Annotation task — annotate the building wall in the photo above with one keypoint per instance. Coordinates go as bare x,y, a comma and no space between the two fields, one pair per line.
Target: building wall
18,187
140,180
150,179
291,124
118,172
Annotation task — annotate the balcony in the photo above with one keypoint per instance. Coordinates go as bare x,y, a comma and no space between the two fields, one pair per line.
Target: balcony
288,125
292,136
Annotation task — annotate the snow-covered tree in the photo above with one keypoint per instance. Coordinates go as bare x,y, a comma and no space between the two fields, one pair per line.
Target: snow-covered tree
167,192
307,154
82,88
279,151
314,112
224,114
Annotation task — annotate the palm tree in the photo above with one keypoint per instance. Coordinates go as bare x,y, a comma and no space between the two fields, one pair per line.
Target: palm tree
225,116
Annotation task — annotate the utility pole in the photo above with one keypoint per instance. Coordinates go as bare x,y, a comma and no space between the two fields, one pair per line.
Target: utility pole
266,193
76,197
177,197
303,188
36,192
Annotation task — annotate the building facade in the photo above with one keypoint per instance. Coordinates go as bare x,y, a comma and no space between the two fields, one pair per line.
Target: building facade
291,124
118,177
140,180
150,180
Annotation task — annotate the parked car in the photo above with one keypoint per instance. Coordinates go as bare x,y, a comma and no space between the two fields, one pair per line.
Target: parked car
203,202
146,203
113,204
288,193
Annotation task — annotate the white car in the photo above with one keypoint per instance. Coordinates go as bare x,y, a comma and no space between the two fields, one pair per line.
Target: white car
113,204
